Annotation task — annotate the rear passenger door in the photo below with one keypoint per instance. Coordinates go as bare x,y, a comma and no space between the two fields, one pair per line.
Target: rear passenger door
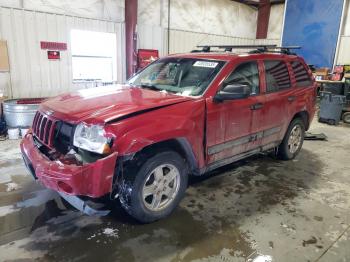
278,99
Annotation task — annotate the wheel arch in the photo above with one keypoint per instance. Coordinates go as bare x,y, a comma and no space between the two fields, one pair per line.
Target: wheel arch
180,146
304,116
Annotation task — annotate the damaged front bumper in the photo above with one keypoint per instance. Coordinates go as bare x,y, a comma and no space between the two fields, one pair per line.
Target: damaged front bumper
83,206
92,180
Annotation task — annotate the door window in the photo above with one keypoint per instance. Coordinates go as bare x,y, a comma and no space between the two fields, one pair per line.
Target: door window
301,75
246,74
277,76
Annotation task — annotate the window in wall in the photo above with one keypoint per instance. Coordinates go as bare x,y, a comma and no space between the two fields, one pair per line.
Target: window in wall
277,76
93,56
301,75
246,74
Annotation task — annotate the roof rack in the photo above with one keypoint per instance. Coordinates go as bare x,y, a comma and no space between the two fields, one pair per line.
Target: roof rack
257,49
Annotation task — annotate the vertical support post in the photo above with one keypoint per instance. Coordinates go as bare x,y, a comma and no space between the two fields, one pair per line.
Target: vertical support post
263,19
130,36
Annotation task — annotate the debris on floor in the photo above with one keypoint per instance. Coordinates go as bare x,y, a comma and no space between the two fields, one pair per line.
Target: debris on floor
12,187
311,136
111,232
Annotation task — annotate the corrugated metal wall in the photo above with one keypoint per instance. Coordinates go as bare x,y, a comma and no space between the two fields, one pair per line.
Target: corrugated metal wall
32,74
185,41
155,37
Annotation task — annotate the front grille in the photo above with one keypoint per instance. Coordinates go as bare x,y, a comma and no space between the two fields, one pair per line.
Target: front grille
43,128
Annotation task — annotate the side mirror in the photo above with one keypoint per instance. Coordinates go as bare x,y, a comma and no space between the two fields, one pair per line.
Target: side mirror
232,92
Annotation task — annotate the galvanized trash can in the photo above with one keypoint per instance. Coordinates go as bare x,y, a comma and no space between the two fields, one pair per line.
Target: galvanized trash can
19,113
331,107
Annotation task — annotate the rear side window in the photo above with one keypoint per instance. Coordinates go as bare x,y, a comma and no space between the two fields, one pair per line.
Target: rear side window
277,76
246,74
302,77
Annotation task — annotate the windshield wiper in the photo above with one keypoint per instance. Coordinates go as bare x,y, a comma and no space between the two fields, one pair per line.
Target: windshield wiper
151,87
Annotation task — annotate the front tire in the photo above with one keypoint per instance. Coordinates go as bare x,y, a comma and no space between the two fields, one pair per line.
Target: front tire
154,189
292,141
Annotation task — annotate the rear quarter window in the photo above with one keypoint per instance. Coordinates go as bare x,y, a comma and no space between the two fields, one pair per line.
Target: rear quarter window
277,76
301,74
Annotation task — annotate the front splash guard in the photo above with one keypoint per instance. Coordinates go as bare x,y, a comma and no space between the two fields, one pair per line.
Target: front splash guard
83,206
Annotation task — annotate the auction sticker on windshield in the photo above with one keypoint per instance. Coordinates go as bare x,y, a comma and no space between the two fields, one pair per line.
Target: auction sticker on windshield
205,64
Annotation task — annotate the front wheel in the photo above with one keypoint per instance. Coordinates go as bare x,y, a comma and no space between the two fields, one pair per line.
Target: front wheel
292,141
156,187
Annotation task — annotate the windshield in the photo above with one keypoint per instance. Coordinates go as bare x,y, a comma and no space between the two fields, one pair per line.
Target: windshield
182,76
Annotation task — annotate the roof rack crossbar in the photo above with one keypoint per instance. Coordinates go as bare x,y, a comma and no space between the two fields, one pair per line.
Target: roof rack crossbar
228,48
257,48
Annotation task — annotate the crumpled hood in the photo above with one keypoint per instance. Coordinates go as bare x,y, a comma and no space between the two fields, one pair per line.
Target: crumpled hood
107,103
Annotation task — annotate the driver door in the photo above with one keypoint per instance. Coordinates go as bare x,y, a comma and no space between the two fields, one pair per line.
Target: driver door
231,124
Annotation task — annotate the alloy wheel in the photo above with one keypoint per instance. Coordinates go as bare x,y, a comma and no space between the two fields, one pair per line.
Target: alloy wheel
161,187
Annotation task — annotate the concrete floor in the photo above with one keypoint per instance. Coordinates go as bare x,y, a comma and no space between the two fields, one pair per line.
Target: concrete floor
259,208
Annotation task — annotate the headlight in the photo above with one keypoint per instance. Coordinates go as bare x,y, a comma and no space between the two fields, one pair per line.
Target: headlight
91,138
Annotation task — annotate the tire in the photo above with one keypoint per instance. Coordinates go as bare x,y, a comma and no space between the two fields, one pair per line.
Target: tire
288,150
346,118
143,197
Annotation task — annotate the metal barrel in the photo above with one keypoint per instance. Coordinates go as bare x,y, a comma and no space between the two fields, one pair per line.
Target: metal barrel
19,114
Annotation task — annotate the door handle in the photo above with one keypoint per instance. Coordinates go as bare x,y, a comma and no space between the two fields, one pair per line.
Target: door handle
256,106
291,98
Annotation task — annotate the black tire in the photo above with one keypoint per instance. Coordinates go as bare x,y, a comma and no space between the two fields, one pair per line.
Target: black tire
346,117
284,150
131,187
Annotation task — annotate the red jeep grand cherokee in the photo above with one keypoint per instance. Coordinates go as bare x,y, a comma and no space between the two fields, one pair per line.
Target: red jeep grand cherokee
183,114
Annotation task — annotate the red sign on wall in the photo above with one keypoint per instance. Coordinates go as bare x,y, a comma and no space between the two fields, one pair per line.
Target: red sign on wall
53,55
146,56
53,45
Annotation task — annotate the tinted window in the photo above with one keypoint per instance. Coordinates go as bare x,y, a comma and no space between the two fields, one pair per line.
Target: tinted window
246,74
301,75
277,76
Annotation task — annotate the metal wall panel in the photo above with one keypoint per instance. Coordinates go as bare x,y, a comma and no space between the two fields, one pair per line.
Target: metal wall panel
344,51
343,57
185,41
32,74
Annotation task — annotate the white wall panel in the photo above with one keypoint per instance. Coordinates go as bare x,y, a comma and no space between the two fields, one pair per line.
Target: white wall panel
276,21
344,44
151,37
32,74
185,41
344,51
223,17
98,9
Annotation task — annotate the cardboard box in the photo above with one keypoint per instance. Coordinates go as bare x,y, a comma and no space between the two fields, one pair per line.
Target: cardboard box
4,57
322,71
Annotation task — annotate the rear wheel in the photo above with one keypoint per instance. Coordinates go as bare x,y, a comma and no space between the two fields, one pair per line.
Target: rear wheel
156,187
346,117
293,140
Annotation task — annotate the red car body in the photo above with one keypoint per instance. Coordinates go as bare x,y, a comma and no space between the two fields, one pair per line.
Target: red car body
210,134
